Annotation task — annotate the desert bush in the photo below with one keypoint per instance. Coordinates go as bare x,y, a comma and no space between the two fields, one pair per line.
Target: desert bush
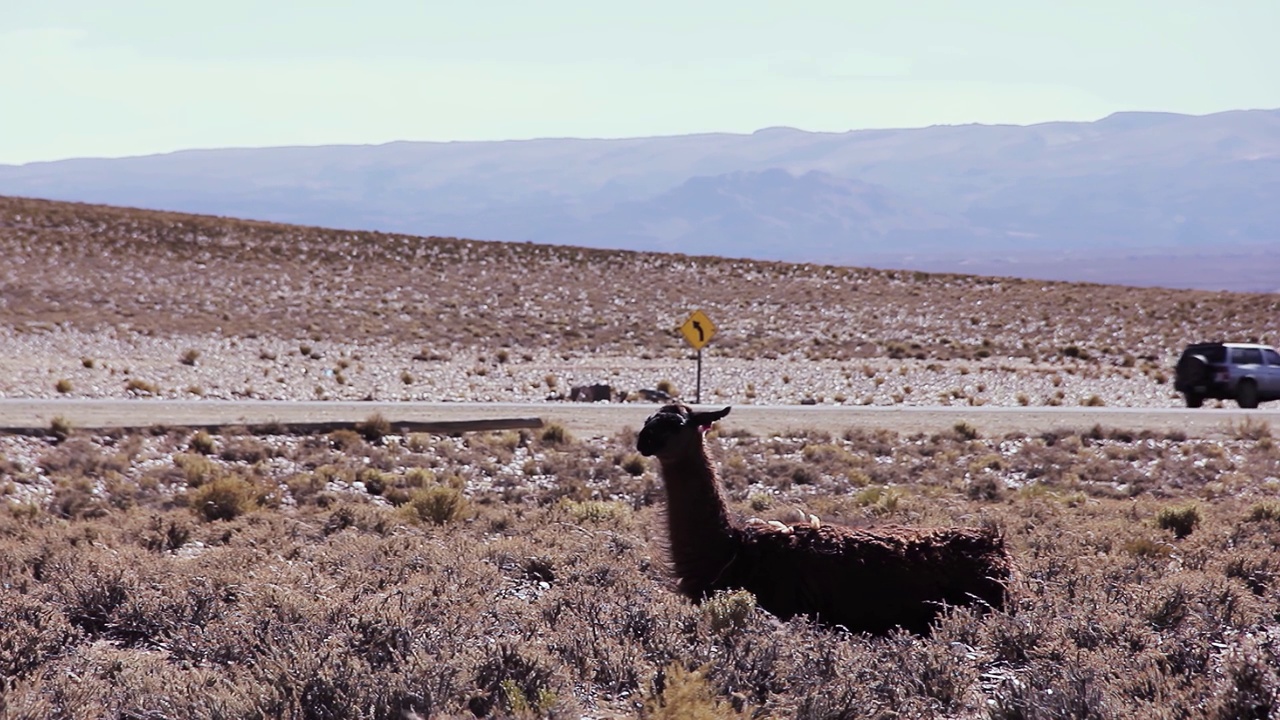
437,504
245,449
197,469
1251,429
63,386
60,427
347,440
77,497
986,488
634,464
1180,519
728,611
595,511
686,695
136,386
374,428
1265,510
880,500
189,356
202,442
225,498
555,434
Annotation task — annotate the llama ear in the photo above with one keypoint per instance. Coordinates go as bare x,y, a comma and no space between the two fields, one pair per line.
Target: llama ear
704,419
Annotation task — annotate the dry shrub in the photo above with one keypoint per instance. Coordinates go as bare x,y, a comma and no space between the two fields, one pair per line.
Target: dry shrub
225,498
1180,519
634,464
728,611
596,511
988,488
77,497
1250,685
1250,429
202,442
437,504
136,386
33,633
1265,510
245,449
517,681
555,434
880,500
81,456
340,608
686,695
197,469
374,428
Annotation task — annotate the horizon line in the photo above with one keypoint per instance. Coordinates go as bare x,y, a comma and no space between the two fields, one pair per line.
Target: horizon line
563,138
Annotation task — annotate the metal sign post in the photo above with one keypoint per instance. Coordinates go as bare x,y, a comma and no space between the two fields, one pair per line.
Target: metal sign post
697,396
698,331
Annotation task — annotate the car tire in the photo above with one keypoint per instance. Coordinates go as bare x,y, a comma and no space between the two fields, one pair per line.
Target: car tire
1247,394
1194,400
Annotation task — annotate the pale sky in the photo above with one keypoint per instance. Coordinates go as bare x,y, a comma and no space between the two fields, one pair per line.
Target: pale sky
130,77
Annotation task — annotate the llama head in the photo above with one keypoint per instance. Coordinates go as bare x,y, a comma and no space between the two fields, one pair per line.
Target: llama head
675,429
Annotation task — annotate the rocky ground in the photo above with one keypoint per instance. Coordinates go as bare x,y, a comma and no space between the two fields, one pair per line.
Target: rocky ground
70,363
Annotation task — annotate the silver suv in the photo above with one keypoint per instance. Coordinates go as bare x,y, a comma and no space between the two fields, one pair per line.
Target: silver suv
1245,372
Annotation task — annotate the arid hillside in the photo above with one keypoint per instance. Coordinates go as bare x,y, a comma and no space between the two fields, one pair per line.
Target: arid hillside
176,283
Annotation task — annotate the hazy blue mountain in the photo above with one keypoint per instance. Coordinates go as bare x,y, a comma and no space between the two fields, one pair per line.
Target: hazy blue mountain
1067,200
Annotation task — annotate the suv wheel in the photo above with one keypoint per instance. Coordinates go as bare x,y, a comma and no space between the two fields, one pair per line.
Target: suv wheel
1247,394
1194,400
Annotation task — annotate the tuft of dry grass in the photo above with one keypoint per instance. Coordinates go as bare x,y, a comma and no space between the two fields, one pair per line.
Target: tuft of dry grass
1180,519
437,504
555,434
374,428
225,498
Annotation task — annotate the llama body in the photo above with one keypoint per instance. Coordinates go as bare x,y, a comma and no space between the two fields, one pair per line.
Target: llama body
866,580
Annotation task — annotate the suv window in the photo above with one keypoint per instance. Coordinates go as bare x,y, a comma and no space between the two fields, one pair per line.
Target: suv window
1246,356
1215,354
1273,357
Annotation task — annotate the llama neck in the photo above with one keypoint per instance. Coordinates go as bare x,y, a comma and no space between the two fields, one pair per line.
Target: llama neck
698,523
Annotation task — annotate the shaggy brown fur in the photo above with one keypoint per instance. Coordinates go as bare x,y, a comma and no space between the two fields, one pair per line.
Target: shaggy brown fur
866,580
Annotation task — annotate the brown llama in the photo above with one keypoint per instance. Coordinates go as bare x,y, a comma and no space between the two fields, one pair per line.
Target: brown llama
865,580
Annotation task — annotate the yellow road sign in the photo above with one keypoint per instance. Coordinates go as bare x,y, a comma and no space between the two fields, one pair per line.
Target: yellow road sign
698,329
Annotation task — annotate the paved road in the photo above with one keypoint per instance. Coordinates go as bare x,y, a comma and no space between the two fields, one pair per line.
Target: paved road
604,419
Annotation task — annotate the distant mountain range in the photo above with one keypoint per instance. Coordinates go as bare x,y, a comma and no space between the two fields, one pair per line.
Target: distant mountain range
1135,198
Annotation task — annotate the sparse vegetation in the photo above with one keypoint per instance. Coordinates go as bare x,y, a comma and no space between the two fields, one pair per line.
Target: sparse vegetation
168,573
